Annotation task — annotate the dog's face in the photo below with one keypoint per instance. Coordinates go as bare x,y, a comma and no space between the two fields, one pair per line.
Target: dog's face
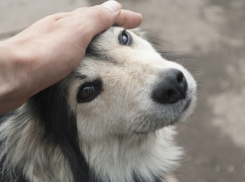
124,86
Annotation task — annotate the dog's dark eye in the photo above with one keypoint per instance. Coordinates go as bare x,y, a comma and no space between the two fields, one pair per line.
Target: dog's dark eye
88,91
125,38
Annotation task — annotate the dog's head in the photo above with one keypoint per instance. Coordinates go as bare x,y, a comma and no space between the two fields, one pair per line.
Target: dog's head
124,86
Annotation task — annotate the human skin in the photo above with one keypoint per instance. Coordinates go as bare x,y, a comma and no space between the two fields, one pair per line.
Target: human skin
51,48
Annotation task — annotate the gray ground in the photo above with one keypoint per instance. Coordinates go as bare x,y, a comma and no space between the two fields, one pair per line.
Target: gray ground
209,37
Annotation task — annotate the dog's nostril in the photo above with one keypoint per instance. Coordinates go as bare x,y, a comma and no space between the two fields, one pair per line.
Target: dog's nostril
171,89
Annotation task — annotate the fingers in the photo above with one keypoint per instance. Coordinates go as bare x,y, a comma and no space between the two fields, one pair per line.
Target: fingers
101,17
128,19
91,21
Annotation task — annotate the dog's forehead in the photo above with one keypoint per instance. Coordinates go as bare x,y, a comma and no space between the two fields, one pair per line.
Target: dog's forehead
106,47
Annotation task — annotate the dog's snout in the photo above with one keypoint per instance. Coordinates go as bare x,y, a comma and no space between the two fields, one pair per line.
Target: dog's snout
171,89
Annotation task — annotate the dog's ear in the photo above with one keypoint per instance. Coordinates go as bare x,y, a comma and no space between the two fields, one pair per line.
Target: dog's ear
54,113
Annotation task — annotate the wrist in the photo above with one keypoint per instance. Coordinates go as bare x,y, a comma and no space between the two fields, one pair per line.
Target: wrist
11,93
6,58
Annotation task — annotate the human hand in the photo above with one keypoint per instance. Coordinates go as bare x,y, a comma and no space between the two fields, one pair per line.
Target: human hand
51,48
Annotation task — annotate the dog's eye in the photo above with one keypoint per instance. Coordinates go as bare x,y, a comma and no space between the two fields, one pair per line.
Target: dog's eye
88,91
125,38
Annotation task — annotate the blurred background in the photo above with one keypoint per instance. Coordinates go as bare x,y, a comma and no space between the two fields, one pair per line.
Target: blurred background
207,37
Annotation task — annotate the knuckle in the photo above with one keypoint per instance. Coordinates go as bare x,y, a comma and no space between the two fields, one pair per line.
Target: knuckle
59,16
102,16
55,17
80,9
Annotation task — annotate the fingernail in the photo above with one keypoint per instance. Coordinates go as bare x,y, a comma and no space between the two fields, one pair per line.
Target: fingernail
112,5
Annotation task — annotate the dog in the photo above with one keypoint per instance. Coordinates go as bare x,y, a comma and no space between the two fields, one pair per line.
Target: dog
110,120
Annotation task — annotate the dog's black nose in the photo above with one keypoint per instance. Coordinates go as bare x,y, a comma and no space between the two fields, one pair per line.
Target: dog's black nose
171,89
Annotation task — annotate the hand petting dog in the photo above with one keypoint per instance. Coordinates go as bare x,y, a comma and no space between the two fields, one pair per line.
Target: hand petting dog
53,47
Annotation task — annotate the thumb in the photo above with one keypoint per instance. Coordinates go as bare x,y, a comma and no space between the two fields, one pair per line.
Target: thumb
101,17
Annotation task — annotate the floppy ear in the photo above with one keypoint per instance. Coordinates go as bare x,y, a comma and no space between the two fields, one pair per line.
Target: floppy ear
59,120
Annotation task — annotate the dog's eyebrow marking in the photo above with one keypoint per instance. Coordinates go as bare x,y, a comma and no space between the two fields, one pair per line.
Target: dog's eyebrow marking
94,52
